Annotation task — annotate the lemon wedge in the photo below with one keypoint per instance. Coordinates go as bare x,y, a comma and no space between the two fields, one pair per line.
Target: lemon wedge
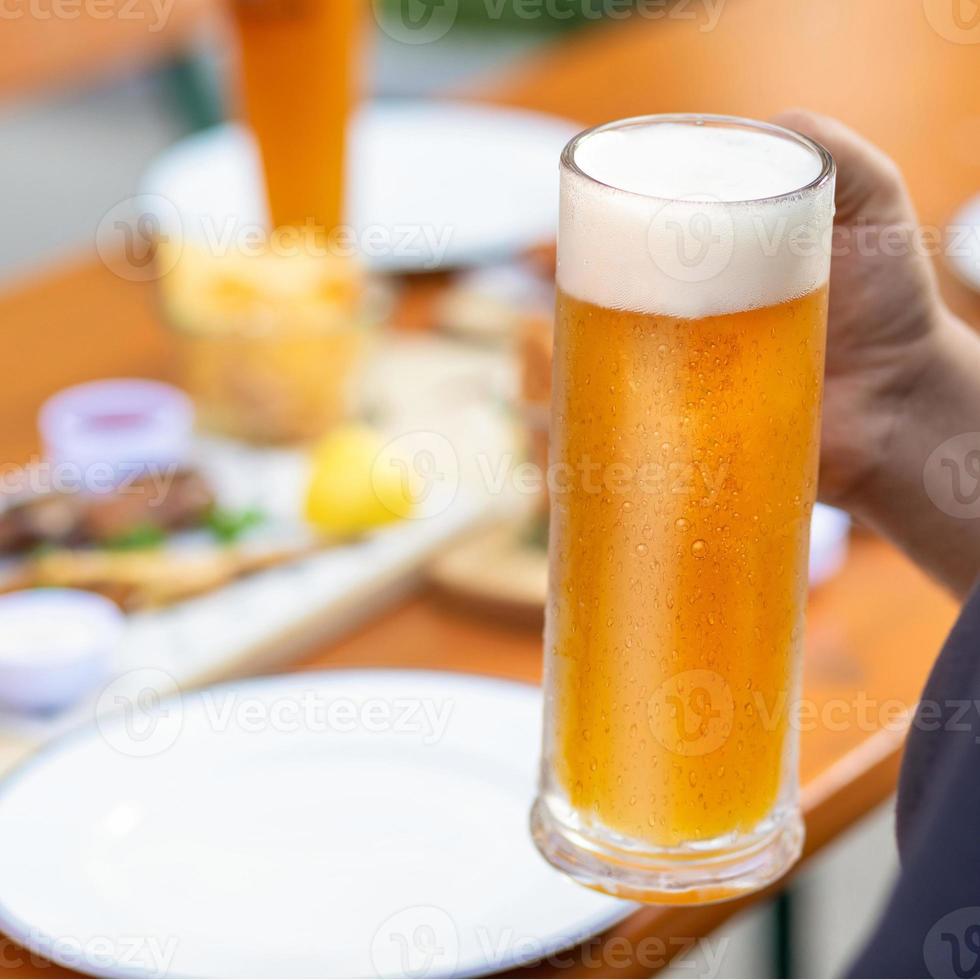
356,483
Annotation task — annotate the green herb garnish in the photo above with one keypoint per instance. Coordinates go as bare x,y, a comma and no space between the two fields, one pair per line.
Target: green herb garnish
142,537
229,525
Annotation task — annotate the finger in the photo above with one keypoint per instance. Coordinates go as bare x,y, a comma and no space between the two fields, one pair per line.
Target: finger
870,186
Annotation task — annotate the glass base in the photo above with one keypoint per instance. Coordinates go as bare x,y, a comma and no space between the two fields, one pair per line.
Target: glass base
711,871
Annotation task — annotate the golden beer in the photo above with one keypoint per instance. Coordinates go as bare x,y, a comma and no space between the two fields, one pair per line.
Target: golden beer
298,75
684,447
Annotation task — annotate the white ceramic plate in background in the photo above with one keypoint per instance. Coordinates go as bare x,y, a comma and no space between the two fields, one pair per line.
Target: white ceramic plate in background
449,183
232,834
830,529
963,244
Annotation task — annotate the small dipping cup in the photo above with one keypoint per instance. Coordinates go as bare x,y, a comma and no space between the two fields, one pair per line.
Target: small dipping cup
56,646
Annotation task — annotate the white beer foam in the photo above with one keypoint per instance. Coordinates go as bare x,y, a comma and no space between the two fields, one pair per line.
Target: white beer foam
678,220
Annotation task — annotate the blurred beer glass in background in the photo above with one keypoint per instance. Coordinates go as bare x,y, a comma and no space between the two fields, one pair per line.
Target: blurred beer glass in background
693,264
270,339
298,60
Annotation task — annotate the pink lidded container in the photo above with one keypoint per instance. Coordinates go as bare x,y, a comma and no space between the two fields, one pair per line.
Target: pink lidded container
109,431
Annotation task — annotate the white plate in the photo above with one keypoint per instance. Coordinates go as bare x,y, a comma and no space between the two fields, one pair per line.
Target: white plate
334,824
430,183
963,244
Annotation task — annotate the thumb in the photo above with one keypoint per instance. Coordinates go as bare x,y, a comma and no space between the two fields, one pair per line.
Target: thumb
870,187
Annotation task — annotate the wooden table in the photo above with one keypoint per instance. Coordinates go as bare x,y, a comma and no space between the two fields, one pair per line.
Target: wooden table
61,44
874,629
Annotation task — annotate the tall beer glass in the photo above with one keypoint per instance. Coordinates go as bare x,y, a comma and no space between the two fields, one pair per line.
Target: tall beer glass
693,263
298,72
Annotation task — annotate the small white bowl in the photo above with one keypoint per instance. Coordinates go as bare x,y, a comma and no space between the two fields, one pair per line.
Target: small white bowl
56,646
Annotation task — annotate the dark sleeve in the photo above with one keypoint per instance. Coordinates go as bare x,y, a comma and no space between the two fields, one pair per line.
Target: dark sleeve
931,925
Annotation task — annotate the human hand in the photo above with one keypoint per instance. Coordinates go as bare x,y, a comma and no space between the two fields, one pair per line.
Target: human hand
903,373
884,314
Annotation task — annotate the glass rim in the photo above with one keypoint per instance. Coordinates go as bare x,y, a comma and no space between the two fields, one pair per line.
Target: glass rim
828,166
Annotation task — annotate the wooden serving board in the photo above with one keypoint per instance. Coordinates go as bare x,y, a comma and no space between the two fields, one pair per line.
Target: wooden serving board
495,570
